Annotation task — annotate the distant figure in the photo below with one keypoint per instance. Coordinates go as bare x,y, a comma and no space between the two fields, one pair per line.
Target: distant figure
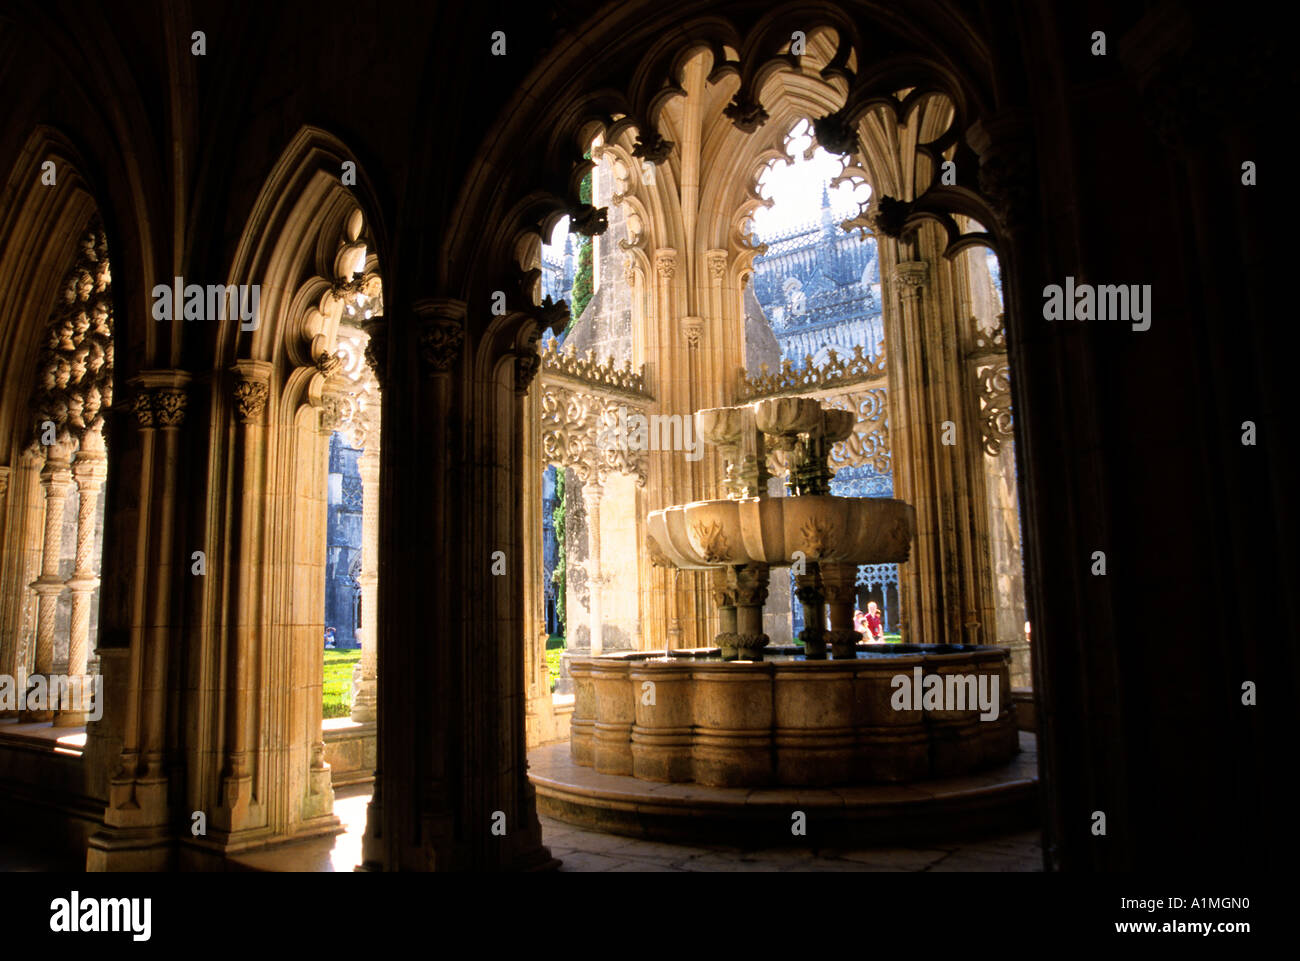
329,638
874,631
860,623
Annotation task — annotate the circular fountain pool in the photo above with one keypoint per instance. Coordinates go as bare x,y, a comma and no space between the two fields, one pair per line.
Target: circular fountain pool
893,713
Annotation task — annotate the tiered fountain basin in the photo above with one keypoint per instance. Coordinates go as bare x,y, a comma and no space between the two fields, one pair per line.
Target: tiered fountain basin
770,530
784,720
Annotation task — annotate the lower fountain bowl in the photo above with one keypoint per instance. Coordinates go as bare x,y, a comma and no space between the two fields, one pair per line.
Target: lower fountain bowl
895,713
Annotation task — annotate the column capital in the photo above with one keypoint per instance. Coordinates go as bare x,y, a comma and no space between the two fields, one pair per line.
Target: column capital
441,326
160,397
666,262
717,263
252,390
1007,174
691,329
911,276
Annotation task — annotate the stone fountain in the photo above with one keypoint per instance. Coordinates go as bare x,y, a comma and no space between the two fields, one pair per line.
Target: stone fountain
823,537
747,714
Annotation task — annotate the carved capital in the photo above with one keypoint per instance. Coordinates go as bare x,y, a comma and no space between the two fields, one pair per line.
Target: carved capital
527,362
441,335
666,263
717,263
691,328
250,401
252,390
911,276
376,349
1007,175
169,406
161,398
142,406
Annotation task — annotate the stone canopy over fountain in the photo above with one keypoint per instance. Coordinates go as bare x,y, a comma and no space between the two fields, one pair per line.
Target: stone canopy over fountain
747,714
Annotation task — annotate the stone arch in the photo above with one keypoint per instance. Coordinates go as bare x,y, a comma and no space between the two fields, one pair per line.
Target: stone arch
47,474
264,518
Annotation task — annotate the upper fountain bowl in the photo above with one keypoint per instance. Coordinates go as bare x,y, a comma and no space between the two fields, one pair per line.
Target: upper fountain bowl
768,530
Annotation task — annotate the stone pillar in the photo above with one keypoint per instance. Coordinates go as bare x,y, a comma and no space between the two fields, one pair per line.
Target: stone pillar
808,589
751,593
723,587
251,394
365,674
56,480
837,582
591,492
89,469
919,581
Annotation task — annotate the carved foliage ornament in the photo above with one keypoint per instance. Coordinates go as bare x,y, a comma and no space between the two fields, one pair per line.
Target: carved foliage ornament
250,401
576,428
440,345
995,405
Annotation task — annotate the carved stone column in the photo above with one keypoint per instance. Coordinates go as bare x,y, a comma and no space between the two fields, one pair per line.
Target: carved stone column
837,582
592,492
251,392
56,481
751,594
364,676
910,426
723,589
89,468
808,589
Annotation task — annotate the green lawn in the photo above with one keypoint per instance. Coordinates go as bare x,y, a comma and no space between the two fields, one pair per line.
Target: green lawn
554,648
338,682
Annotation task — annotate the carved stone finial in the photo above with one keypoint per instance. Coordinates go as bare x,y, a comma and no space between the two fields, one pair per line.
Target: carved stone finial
747,114
887,214
651,146
835,133
588,220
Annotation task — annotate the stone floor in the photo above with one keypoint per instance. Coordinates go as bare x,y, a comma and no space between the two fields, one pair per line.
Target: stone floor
583,850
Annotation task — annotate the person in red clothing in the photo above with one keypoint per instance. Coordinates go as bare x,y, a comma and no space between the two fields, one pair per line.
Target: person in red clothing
874,631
